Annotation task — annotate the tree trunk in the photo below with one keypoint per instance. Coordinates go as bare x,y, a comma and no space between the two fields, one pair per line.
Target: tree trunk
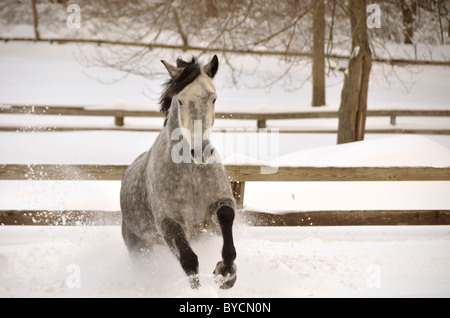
409,11
35,19
353,108
318,58
441,27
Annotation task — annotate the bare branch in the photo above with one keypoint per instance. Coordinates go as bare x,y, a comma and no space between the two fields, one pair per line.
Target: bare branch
237,51
179,27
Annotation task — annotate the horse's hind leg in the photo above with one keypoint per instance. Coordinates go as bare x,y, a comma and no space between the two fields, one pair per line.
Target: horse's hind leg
226,269
137,247
176,240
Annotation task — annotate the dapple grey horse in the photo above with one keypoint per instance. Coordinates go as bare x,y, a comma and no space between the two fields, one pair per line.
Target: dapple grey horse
179,188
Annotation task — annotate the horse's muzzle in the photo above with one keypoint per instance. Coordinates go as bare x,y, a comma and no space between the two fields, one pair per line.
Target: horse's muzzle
203,157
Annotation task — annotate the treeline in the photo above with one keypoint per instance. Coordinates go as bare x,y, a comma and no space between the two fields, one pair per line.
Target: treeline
296,32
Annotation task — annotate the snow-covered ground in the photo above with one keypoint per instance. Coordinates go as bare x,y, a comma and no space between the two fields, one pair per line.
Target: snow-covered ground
272,262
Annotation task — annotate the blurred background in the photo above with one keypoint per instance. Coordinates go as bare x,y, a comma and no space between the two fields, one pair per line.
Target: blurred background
279,53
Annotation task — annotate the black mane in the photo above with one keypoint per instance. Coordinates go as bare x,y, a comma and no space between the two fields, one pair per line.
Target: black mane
189,71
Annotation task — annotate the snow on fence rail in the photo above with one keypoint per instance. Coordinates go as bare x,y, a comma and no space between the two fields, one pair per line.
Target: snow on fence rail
260,118
239,174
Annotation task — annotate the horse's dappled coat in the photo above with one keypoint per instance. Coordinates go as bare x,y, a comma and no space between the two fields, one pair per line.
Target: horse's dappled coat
163,199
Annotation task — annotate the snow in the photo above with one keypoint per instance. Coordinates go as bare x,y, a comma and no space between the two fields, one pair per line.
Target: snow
382,152
120,105
272,262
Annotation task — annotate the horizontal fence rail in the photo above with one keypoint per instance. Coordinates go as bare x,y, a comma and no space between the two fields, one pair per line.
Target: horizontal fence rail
248,217
260,118
239,175
349,218
93,111
222,50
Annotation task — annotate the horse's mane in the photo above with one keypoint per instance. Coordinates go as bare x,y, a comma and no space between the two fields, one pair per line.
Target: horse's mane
188,72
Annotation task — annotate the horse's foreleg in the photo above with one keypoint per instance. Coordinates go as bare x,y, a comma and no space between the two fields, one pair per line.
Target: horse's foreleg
226,269
176,240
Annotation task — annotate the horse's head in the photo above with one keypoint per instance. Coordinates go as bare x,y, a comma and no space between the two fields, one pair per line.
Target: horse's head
191,90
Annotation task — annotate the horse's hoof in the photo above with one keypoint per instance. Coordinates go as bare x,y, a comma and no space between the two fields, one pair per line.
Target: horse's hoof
225,276
194,280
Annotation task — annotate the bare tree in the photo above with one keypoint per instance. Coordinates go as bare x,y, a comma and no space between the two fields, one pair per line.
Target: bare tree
230,27
130,35
318,59
352,111
413,21
35,19
409,12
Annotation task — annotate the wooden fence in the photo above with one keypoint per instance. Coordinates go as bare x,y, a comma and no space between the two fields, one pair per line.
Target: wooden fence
260,118
239,175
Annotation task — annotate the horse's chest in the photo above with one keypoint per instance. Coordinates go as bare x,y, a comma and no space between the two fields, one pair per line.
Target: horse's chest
191,191
206,184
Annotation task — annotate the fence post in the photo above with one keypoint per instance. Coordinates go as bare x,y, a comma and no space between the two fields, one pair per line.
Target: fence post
118,120
238,188
261,123
393,120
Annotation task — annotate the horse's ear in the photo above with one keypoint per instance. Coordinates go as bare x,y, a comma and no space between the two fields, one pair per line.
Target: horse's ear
212,67
173,70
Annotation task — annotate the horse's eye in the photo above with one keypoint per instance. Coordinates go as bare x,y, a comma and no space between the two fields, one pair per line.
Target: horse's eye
214,100
180,102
